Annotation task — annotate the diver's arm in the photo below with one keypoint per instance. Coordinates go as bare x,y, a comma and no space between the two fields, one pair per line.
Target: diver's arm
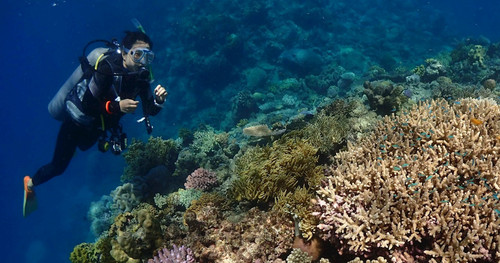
99,86
151,104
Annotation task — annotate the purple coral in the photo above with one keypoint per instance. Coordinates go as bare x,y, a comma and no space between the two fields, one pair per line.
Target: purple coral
176,255
201,179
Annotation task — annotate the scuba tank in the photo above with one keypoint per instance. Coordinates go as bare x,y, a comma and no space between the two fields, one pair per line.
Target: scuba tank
57,106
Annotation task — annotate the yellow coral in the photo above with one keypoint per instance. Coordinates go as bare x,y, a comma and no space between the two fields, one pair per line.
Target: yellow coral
477,55
419,70
298,205
263,172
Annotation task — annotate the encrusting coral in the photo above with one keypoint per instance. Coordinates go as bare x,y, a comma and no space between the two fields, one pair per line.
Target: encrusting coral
425,185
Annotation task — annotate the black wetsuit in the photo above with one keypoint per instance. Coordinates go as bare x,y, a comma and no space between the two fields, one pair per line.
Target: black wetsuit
99,100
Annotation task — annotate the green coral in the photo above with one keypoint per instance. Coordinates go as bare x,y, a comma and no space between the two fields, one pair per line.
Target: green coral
476,56
419,70
141,157
324,132
209,149
135,235
92,253
264,172
83,253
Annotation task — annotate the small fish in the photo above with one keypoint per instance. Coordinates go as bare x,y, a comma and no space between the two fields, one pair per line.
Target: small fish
476,121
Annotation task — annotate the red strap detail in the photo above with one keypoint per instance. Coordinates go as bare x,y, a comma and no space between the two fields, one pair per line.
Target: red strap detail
107,107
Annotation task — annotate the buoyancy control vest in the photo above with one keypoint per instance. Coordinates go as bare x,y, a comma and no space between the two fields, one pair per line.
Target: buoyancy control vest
77,82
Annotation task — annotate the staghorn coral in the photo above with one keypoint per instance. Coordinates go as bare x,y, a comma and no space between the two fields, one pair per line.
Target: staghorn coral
264,172
325,132
142,157
424,187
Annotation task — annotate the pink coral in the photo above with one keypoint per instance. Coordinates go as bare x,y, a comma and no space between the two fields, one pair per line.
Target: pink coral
201,179
176,255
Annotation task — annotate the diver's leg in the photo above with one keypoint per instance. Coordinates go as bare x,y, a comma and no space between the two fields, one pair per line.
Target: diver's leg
67,141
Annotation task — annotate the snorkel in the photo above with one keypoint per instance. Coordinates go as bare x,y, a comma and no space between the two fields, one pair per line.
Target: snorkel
142,71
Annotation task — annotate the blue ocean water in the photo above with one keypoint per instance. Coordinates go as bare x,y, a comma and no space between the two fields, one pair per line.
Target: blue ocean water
41,41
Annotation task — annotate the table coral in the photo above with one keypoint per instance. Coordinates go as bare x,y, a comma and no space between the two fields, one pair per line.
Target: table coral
425,185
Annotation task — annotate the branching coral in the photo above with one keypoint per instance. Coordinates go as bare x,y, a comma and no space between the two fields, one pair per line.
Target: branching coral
425,184
175,255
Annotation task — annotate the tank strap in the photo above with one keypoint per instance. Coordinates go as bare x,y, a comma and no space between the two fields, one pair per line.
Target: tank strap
98,60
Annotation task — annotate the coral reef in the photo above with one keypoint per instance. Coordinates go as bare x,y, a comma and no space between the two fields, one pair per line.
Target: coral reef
210,149
384,97
142,157
135,235
92,252
243,105
297,256
264,172
271,91
201,179
252,236
175,255
425,185
102,213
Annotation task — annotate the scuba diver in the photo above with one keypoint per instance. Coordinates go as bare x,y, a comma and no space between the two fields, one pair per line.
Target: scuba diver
92,101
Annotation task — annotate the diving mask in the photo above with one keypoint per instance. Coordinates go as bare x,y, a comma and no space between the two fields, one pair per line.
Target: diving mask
140,55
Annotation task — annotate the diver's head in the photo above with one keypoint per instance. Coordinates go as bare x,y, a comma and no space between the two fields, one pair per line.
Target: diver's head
136,51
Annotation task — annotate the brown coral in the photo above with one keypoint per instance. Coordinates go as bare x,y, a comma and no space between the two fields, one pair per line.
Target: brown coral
425,185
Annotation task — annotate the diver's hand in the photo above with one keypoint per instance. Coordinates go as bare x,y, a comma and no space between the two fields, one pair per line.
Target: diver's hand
161,94
128,105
